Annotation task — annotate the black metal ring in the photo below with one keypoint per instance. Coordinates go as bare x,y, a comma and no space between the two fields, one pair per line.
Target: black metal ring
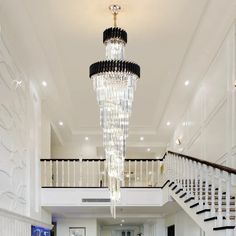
114,66
114,33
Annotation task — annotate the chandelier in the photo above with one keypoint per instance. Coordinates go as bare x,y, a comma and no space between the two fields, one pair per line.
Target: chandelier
114,81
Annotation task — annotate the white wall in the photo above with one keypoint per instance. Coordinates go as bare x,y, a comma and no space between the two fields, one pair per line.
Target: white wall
184,225
20,145
208,127
63,226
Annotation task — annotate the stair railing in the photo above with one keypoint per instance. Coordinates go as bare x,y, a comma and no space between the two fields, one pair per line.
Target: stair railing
209,184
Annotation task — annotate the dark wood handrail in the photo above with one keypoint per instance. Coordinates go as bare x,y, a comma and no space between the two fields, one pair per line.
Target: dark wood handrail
214,165
90,160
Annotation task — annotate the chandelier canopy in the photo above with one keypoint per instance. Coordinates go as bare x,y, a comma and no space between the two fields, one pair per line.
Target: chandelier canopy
114,81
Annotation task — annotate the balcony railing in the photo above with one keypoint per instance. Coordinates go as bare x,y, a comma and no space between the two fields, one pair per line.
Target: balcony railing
91,173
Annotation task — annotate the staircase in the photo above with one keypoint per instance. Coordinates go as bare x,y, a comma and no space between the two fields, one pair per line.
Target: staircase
204,190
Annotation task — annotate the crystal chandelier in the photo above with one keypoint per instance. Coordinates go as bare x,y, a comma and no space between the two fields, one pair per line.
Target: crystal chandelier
114,81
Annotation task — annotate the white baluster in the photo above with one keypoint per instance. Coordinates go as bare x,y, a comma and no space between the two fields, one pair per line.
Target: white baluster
228,193
68,173
129,171
105,175
57,173
87,169
220,219
213,210
74,172
152,176
188,177
192,177
146,185
51,174
196,184
135,173
141,172
99,173
93,174
81,173
45,173
206,186
62,173
200,166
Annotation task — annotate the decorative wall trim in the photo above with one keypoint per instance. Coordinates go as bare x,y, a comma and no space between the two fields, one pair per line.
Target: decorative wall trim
23,219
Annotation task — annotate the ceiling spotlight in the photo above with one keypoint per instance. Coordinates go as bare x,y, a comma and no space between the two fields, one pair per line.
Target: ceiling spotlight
158,158
149,172
141,138
61,123
148,149
86,138
123,221
186,83
168,123
121,225
44,83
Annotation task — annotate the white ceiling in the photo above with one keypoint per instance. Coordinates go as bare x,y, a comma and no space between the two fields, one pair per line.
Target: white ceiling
133,215
173,41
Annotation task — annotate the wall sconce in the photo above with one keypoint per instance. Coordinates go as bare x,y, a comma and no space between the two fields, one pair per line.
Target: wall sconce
178,141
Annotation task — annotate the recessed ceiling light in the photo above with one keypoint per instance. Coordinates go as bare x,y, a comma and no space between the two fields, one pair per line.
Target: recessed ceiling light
148,149
149,172
61,123
168,123
186,83
123,221
86,138
141,138
158,158
121,225
44,83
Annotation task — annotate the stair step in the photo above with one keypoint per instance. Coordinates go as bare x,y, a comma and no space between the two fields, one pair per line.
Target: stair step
189,199
203,211
211,218
174,187
178,191
194,205
171,184
183,195
223,228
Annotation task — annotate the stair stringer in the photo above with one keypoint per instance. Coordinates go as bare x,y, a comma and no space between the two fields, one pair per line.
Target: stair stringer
207,227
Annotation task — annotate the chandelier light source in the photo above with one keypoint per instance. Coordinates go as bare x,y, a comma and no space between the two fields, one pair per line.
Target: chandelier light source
114,81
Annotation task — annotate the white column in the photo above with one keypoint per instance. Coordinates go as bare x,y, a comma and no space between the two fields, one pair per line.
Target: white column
135,173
